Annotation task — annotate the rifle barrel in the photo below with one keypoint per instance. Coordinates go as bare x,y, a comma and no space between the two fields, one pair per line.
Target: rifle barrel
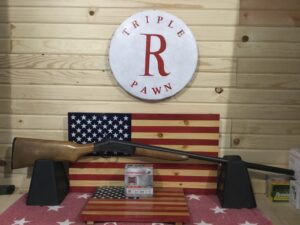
249,165
272,169
169,150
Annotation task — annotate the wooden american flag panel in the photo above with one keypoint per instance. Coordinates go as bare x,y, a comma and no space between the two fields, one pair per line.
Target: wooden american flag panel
167,205
197,133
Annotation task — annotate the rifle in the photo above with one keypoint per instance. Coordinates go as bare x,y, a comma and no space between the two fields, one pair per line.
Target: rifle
27,150
234,187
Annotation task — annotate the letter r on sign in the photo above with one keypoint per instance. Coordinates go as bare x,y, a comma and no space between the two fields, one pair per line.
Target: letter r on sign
156,54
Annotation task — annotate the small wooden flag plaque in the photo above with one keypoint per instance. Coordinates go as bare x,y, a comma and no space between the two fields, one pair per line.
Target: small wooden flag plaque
167,205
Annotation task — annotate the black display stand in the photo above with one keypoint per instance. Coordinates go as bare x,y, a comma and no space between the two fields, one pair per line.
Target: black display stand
234,188
49,183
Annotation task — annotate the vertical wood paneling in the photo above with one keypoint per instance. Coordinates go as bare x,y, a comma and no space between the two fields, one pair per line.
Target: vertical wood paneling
53,59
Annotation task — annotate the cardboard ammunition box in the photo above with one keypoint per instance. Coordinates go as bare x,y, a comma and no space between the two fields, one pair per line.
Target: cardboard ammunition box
294,162
278,189
295,193
138,180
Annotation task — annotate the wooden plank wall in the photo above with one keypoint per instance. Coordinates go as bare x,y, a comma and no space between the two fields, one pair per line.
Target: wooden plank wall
53,59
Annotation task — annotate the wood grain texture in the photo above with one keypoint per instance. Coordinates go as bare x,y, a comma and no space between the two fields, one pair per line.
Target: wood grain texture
270,18
110,15
202,4
99,78
266,126
5,46
238,111
114,15
53,122
268,65
270,4
95,62
5,151
104,31
4,30
96,47
266,141
268,50
100,47
269,81
113,93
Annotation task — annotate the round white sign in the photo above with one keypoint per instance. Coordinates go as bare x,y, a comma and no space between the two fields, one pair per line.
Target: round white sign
153,55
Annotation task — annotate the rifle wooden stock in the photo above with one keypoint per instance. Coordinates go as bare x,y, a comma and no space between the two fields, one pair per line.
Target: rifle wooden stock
27,150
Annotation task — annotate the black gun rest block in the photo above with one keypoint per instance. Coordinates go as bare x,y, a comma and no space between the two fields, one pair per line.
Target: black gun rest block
49,184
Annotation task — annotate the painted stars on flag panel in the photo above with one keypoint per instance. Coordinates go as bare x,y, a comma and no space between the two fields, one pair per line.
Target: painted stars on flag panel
98,127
